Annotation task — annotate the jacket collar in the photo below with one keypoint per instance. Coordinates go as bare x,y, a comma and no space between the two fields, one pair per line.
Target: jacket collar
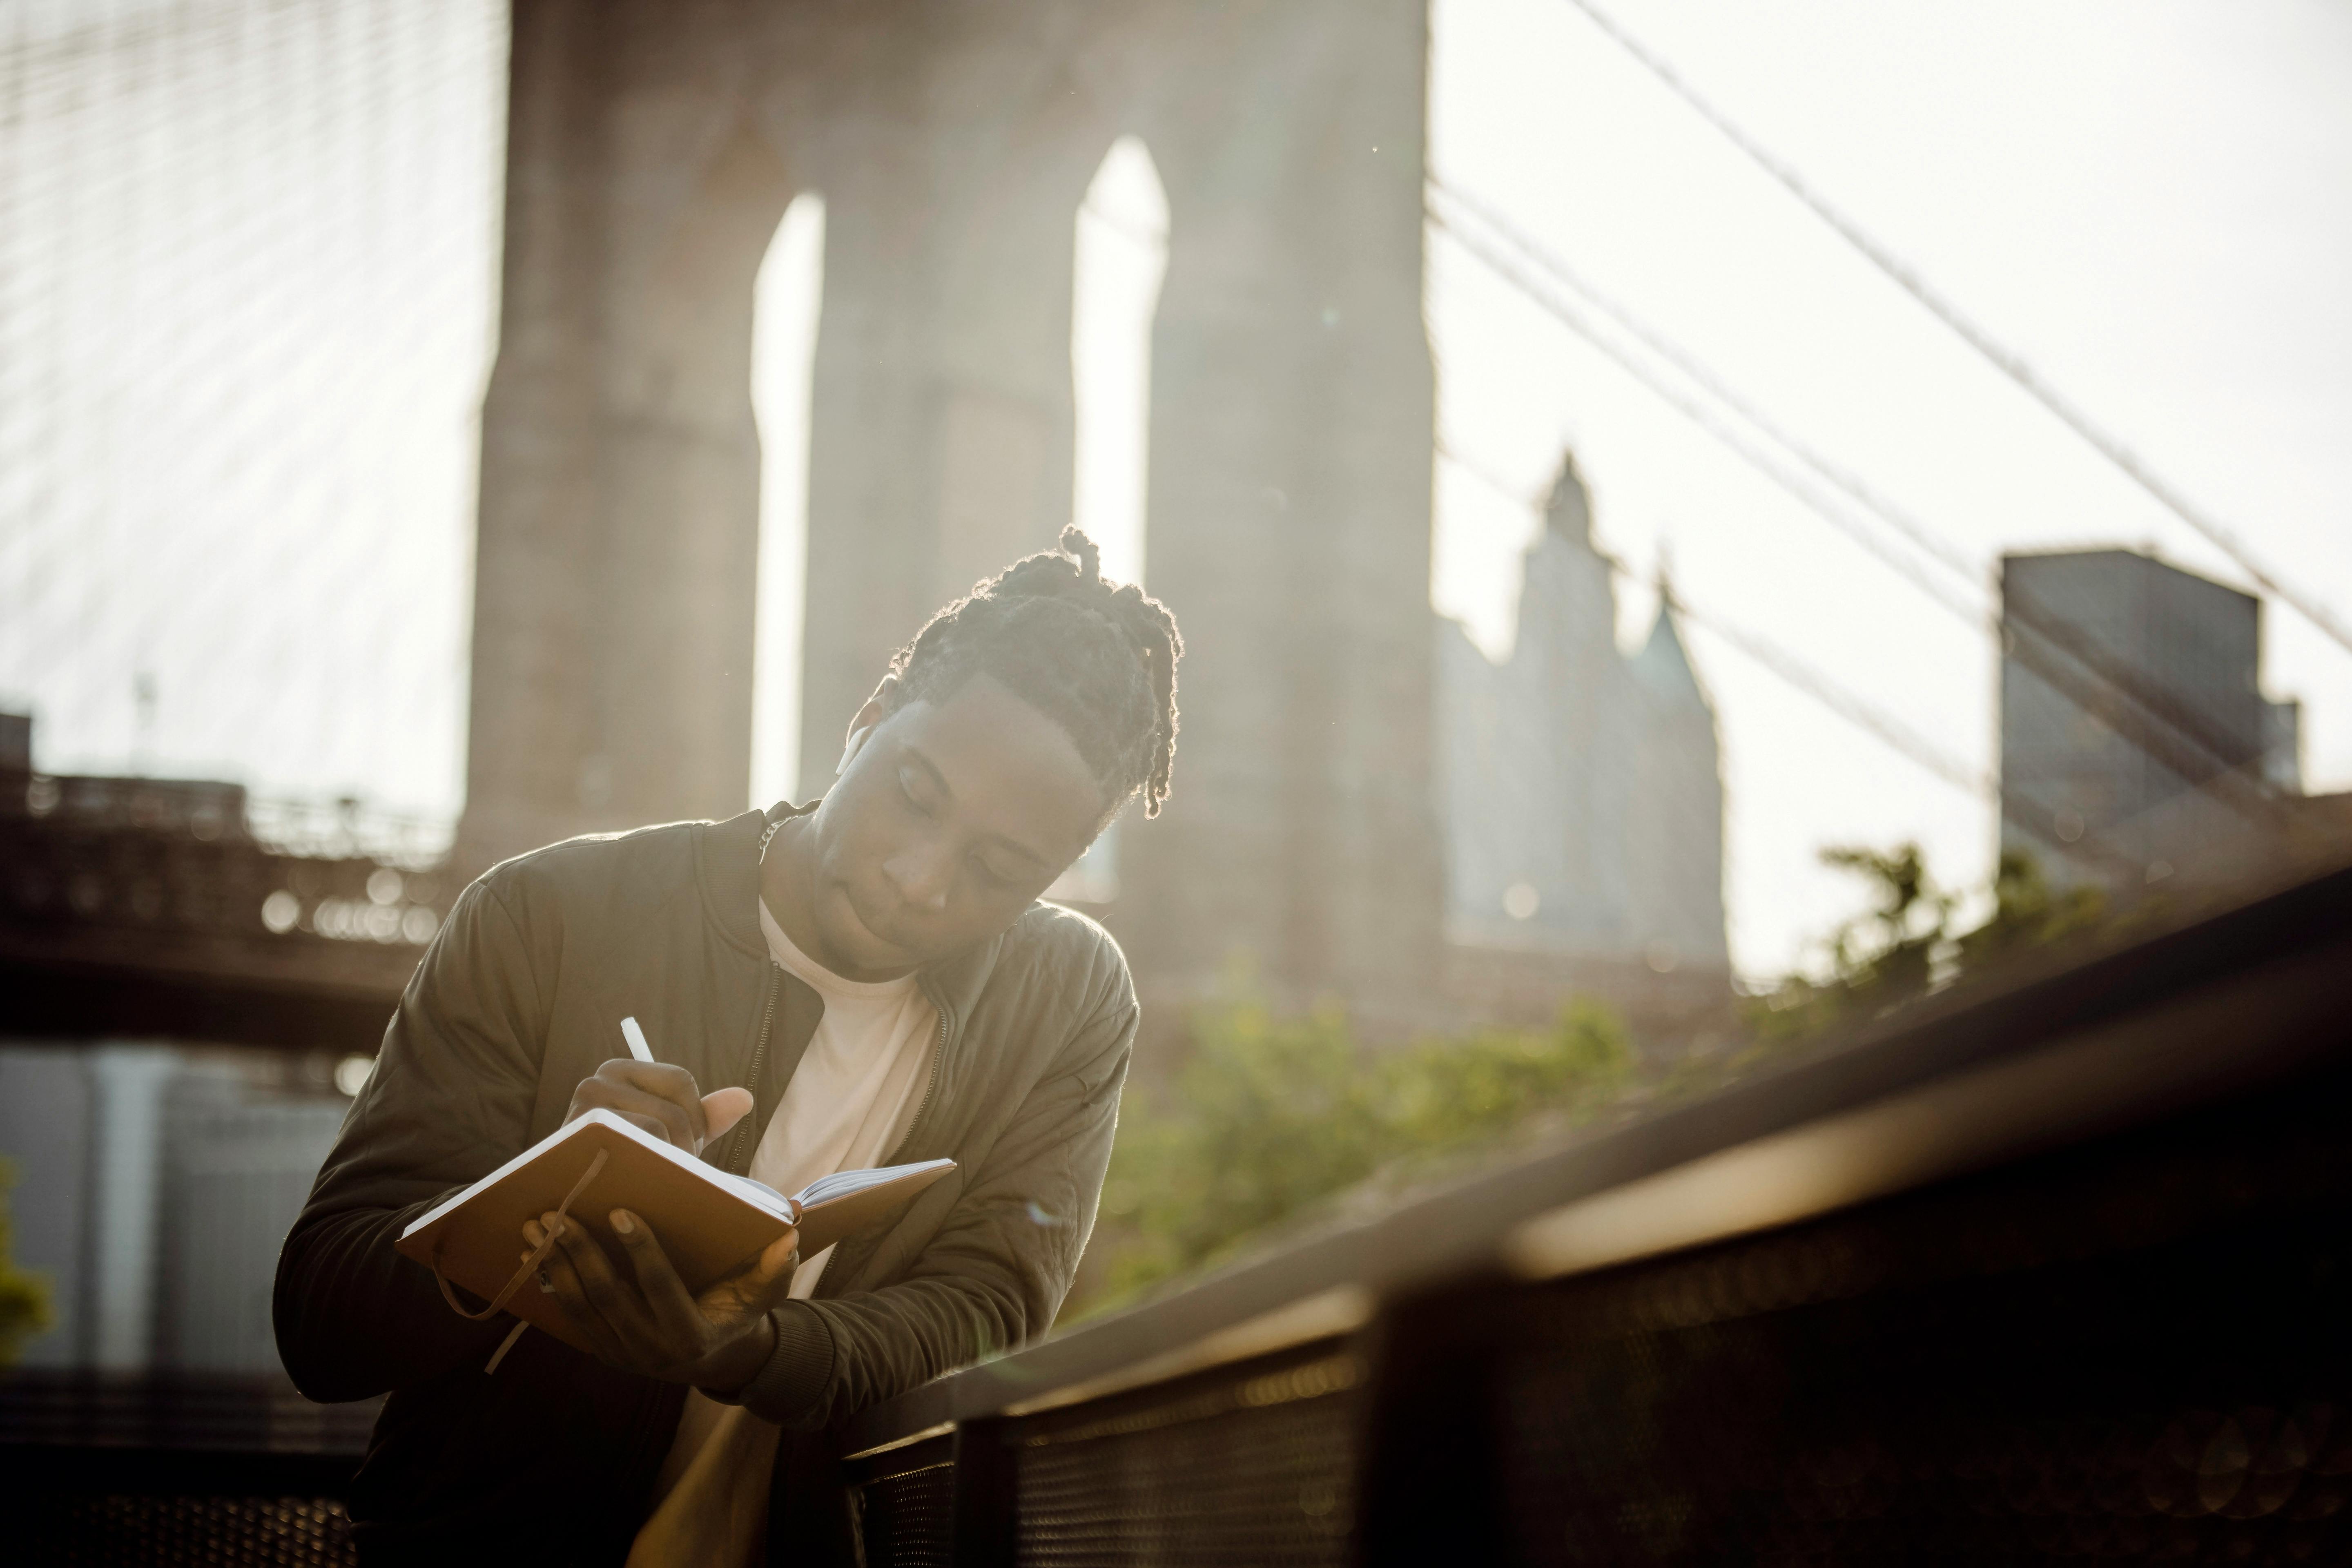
727,866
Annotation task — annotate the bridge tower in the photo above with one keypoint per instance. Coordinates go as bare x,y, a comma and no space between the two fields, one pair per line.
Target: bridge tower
653,147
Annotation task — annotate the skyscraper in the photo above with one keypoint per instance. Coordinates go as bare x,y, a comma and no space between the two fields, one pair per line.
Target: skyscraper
2135,738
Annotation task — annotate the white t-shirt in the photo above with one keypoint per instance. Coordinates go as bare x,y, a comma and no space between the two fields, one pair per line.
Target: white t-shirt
857,1087
847,1105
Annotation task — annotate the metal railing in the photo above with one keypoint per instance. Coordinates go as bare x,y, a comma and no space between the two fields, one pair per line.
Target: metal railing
2051,1270
2053,1267
171,1468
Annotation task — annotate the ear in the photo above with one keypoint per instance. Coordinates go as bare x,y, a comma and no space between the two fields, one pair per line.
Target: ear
877,708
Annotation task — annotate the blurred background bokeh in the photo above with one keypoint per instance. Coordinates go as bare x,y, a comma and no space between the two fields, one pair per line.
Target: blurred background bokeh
1695,524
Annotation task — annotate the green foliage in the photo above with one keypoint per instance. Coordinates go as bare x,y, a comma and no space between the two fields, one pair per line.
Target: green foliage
1907,940
1271,1115
24,1296
1893,943
2026,911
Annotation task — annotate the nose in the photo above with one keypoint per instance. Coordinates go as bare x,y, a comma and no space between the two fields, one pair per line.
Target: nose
922,872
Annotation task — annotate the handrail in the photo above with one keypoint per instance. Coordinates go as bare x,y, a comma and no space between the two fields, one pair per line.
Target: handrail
2055,1048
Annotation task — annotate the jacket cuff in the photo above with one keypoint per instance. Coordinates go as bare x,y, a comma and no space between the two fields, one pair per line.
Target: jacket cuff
790,1386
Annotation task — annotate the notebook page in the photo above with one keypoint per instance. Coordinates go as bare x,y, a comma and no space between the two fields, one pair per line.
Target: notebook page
843,1182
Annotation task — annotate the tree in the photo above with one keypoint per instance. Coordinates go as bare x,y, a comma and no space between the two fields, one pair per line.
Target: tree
2026,911
1905,941
1275,1121
24,1296
1270,1115
1893,945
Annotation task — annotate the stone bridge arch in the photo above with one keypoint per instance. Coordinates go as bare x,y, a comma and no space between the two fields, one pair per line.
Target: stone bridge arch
654,144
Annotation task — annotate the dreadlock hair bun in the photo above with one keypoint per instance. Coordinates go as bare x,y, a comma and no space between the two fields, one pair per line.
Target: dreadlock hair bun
1096,656
1088,554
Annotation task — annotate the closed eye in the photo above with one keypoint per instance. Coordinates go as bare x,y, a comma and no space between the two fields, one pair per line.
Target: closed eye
997,874
910,785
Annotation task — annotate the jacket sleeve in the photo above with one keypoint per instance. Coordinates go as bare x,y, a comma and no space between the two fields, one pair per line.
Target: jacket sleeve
993,1276
449,1100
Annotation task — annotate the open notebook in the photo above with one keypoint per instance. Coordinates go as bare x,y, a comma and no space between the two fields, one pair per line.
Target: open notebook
709,1221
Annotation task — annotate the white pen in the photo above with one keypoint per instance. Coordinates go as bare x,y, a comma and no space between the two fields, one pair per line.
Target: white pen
637,1038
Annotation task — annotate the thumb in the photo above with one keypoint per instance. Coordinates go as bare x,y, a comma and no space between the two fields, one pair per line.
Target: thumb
771,1275
723,1107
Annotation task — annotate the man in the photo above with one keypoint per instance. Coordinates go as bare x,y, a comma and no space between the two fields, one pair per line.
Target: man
867,980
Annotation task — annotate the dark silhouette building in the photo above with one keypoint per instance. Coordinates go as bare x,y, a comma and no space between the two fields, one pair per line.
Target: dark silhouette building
2135,738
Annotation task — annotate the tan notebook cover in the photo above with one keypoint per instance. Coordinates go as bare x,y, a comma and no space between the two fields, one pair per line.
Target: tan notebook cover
708,1221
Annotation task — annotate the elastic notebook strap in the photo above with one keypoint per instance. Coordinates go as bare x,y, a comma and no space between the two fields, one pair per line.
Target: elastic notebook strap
530,1264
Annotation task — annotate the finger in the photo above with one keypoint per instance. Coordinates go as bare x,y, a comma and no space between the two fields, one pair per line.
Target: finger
656,1113
627,1336
723,1107
779,1259
572,1300
665,1294
672,1084
767,1278
658,1126
631,1104
615,1299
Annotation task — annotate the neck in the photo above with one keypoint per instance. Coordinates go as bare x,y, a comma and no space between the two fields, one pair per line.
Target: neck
788,887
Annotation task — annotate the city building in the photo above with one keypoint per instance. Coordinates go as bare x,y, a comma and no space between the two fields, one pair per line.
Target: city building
1582,796
152,1186
2136,741
177,992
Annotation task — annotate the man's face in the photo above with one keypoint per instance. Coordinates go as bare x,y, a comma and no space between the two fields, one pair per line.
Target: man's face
945,826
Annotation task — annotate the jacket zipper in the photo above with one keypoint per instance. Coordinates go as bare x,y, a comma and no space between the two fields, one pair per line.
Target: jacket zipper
758,1055
931,1086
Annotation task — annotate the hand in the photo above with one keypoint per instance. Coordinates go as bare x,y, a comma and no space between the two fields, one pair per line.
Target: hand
642,1318
662,1100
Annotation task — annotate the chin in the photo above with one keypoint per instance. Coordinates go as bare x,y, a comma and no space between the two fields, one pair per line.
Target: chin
858,941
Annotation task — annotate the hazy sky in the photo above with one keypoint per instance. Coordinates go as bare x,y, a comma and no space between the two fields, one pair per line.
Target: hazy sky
2151,201
247,270
263,321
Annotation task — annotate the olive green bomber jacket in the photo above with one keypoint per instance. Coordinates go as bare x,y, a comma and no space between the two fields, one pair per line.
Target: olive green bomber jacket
519,998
